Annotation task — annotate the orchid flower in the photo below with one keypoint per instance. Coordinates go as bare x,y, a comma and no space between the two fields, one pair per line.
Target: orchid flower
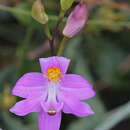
51,92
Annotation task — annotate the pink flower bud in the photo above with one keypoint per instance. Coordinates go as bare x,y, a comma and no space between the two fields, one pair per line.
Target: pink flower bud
76,20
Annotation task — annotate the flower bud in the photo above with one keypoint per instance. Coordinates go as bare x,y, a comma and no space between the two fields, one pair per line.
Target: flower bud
66,4
38,12
76,20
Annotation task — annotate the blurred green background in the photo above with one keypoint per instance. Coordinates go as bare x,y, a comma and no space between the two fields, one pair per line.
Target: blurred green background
101,53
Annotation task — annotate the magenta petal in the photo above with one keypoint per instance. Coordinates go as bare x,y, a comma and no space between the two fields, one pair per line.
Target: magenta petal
74,106
64,63
29,84
54,61
51,100
47,122
80,93
56,105
75,81
77,86
80,109
24,107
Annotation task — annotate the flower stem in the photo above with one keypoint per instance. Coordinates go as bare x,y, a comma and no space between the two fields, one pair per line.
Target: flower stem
49,36
62,13
62,46
52,37
61,16
47,31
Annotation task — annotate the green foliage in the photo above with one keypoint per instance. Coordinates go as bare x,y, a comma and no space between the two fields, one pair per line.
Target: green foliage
114,117
110,57
24,19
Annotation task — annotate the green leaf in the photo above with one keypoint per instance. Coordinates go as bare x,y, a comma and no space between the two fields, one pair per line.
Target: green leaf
114,117
109,60
23,18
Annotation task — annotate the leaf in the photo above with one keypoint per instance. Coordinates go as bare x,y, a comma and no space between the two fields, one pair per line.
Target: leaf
24,19
108,63
114,117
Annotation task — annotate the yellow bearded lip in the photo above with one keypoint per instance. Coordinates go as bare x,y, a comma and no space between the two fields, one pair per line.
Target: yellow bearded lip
53,74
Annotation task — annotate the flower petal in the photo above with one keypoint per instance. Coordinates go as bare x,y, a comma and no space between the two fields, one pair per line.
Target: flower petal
75,81
74,106
77,86
55,105
51,100
26,106
47,122
80,109
80,93
54,61
29,84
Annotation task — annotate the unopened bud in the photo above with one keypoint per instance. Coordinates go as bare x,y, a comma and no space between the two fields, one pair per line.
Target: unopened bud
76,20
66,4
38,12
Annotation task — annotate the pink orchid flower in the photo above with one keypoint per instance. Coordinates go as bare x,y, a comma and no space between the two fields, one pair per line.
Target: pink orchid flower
51,92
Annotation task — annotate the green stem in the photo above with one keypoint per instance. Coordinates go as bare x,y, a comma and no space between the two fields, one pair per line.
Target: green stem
61,15
47,31
50,38
62,46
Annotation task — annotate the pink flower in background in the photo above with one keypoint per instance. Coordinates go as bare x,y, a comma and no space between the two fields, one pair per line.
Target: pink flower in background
51,92
76,20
